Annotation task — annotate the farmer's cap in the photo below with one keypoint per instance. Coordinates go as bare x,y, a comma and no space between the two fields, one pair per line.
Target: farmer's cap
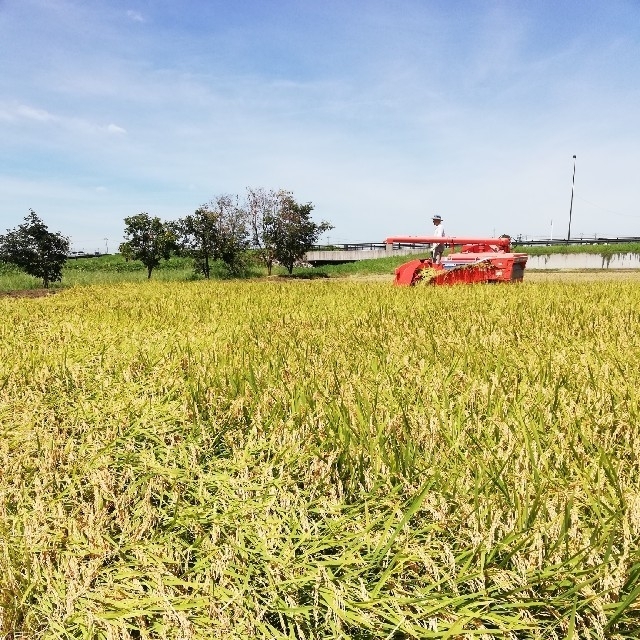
437,217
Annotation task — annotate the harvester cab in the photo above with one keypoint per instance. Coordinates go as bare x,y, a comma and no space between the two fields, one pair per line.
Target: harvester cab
477,260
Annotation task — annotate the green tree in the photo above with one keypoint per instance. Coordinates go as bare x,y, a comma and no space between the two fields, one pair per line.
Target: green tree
35,249
196,233
262,209
217,230
293,232
125,251
232,233
148,239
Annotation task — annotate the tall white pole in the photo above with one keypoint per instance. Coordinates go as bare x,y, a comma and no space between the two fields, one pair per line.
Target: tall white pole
573,182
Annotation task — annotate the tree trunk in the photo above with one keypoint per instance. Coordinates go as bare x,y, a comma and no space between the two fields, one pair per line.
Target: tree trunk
149,270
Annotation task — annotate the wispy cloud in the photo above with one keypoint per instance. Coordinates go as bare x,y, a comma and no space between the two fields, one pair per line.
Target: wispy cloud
135,16
18,112
31,113
115,129
28,114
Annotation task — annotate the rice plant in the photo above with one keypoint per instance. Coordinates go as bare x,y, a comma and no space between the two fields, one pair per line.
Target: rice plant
321,459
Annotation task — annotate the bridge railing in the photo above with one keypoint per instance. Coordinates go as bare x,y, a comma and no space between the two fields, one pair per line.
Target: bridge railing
519,240
366,246
581,240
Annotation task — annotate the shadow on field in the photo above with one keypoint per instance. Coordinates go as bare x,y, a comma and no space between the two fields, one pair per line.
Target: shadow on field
28,293
303,276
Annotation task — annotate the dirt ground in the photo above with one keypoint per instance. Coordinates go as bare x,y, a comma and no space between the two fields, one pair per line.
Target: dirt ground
629,275
604,275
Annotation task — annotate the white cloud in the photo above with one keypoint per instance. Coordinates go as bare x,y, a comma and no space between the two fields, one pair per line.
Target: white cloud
115,129
135,16
30,113
75,124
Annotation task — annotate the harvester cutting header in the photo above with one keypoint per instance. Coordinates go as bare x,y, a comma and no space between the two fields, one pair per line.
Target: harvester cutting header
478,260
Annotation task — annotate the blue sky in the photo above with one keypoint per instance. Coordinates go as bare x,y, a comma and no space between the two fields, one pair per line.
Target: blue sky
381,113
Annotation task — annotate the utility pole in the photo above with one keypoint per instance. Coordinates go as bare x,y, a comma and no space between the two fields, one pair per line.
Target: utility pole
573,182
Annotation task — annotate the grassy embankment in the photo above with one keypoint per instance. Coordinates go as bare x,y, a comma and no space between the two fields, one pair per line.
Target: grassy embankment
320,460
114,269
110,269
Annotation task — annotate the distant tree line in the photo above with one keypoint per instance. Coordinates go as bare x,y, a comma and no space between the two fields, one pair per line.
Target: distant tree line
270,223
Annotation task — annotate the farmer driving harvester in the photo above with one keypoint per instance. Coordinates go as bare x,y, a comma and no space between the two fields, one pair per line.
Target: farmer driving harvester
438,232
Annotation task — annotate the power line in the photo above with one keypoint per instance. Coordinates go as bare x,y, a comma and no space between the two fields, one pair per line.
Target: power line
615,213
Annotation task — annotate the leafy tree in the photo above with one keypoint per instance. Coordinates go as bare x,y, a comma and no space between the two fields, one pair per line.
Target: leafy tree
263,208
147,239
232,233
197,236
293,232
35,250
215,231
125,251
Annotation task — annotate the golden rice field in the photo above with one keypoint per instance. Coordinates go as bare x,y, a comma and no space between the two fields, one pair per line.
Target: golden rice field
321,459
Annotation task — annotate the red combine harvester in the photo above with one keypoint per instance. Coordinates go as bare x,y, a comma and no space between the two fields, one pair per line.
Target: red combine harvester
479,260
